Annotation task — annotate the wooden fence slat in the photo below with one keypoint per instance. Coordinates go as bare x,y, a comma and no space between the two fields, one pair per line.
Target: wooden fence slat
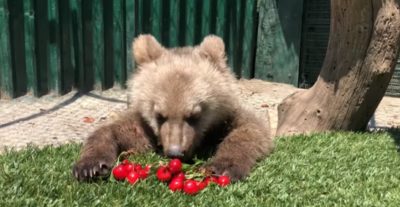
250,39
190,22
30,55
118,42
42,35
77,45
278,43
16,20
108,44
67,72
154,16
87,43
221,19
205,19
98,43
130,32
54,47
170,23
6,84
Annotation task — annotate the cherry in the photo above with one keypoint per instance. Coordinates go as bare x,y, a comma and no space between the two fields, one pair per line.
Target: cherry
143,173
201,185
211,179
223,180
190,187
133,177
138,167
180,175
124,162
176,184
119,172
147,168
163,174
129,167
175,166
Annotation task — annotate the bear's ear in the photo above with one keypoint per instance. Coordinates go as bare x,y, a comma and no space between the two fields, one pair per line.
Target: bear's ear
146,49
213,48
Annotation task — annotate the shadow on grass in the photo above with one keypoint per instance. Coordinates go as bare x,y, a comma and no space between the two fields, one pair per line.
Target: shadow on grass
394,132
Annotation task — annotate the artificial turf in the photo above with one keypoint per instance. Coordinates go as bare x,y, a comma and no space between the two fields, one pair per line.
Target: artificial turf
332,169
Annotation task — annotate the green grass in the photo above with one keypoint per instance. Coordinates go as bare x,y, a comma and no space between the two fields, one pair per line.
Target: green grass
340,169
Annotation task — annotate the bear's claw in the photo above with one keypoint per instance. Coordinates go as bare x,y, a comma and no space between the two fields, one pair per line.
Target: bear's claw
88,169
229,168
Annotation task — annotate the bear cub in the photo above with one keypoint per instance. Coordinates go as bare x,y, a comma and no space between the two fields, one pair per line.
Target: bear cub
182,102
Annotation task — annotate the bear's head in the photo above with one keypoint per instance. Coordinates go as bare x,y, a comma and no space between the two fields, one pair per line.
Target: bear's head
181,92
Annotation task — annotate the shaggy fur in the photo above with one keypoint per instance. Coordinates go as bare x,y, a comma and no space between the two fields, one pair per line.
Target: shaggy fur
184,102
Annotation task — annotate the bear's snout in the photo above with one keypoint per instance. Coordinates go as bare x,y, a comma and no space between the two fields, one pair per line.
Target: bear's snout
174,151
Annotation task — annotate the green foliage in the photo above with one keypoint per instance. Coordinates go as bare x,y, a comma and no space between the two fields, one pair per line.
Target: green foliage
339,169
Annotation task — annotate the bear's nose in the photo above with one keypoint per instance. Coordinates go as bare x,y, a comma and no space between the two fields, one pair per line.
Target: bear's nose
174,151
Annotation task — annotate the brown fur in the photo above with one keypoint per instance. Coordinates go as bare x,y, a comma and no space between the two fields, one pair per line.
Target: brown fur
183,100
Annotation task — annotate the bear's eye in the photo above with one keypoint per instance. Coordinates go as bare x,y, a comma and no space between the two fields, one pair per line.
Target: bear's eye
192,119
160,118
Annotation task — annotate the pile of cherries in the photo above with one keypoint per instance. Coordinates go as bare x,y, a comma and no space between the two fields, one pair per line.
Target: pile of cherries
171,173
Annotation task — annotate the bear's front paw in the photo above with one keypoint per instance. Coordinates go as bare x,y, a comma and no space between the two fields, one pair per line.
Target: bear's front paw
235,170
91,168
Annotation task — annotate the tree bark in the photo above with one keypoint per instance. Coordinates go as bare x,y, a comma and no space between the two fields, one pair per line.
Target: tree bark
360,60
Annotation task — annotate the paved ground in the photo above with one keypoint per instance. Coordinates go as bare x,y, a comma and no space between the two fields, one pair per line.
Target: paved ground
55,120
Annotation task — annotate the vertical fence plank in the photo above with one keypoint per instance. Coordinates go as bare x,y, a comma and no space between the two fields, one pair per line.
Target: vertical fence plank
87,33
6,84
30,56
130,14
154,18
139,8
77,44
66,47
118,42
98,42
108,44
205,18
54,46
249,40
190,22
221,19
238,35
17,46
278,43
173,28
42,35
231,30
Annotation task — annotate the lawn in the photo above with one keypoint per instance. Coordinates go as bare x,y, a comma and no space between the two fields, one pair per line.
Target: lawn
339,169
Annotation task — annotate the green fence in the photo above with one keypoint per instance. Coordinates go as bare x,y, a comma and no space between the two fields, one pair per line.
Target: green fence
58,45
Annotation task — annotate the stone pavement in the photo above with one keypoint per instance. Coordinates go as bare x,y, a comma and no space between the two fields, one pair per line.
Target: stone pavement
56,120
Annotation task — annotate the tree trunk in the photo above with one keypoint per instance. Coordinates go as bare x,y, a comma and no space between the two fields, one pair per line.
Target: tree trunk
360,60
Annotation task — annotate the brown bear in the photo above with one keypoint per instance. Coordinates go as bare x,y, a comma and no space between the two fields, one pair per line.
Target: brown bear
183,102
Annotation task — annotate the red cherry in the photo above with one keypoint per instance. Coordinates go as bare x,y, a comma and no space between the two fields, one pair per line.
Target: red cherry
211,179
175,166
143,174
163,174
147,168
138,167
180,175
201,185
223,180
129,167
133,177
119,172
176,184
124,162
190,187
